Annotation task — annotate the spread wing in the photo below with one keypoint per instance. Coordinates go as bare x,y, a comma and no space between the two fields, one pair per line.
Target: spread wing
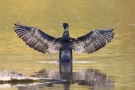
35,38
92,41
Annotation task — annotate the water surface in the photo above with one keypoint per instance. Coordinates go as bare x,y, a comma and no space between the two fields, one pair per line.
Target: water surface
116,59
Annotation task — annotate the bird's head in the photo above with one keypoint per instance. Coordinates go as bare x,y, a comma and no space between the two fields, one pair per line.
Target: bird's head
65,26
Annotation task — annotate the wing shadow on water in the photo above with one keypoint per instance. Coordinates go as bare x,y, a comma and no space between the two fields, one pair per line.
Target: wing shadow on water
90,77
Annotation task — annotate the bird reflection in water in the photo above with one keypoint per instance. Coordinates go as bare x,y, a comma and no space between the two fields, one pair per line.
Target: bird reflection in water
90,77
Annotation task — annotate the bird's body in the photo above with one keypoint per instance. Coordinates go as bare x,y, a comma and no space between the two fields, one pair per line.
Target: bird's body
91,42
65,53
66,50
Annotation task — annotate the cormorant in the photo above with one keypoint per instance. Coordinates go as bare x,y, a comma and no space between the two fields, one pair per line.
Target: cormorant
42,42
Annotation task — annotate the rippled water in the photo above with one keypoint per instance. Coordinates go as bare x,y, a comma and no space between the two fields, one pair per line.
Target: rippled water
116,59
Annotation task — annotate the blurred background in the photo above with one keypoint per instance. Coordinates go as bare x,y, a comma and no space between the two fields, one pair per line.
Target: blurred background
116,59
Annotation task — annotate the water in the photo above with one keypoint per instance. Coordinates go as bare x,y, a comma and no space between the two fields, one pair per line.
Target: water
116,59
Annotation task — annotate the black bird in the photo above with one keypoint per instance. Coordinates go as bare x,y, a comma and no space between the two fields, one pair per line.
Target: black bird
42,42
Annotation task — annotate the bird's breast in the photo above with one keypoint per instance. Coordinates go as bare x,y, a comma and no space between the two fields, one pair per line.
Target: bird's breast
65,53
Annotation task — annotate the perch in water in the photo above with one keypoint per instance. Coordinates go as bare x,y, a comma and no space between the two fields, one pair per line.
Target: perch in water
42,42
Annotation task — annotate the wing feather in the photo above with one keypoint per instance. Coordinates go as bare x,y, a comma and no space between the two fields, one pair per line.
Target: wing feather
92,41
35,38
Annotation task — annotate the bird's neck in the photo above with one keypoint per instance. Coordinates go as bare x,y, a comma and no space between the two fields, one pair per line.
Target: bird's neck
66,35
